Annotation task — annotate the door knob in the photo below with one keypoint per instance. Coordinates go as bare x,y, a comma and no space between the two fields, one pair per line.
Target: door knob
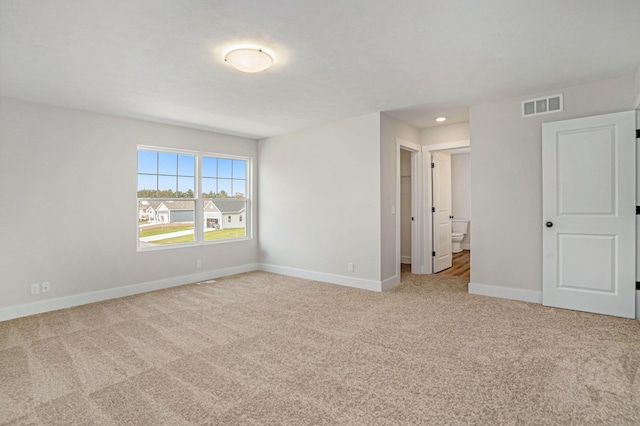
549,224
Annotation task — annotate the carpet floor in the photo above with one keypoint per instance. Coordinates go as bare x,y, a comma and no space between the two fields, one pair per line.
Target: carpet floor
260,348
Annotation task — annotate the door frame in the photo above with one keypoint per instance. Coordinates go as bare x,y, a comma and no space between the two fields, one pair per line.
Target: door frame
427,230
417,264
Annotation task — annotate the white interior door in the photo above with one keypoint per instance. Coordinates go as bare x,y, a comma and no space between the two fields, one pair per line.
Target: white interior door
589,213
441,178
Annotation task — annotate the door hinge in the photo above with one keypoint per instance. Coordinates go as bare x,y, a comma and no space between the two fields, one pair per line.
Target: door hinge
433,209
433,253
433,166
637,135
637,285
637,210
412,218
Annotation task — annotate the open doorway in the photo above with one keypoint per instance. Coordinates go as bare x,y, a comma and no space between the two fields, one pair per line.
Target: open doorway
409,199
460,214
448,208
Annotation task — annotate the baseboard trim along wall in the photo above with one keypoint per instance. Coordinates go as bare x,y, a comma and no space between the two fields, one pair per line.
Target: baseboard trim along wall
390,283
360,283
505,292
405,259
522,295
42,306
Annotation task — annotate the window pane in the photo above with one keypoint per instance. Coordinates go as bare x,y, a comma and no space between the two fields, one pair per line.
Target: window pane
146,186
222,218
224,188
166,186
209,187
224,167
167,222
147,162
186,165
209,166
186,187
167,163
239,169
239,188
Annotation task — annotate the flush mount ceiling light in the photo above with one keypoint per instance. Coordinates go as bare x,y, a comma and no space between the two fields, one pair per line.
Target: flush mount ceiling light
441,119
248,59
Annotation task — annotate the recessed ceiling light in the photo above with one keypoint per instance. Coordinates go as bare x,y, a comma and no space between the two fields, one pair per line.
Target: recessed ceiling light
248,59
441,119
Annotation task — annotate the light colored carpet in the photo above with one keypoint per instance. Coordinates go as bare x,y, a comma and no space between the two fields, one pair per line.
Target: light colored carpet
260,348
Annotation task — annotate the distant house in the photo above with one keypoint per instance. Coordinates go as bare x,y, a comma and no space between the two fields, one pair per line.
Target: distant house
143,210
167,211
219,213
148,210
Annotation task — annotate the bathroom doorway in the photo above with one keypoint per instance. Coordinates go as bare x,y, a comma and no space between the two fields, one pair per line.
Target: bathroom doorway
449,208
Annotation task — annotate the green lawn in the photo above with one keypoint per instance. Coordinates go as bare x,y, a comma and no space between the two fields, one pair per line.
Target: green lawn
217,234
224,233
147,232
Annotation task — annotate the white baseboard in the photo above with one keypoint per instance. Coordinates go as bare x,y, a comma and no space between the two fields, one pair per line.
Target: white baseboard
39,307
360,283
42,306
465,246
389,283
405,260
522,295
505,292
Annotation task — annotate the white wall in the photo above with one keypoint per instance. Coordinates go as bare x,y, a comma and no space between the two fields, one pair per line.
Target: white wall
391,129
320,202
506,189
461,192
68,180
444,133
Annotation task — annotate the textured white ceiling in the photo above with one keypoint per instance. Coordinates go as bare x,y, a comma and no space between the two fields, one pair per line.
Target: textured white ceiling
162,59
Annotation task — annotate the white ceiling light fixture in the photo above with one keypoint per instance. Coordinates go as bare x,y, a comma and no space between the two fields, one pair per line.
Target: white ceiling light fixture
441,119
249,59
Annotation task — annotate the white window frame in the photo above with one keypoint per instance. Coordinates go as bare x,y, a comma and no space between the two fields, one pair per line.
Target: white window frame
198,226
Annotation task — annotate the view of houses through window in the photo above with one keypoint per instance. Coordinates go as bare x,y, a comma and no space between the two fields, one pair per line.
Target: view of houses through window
189,198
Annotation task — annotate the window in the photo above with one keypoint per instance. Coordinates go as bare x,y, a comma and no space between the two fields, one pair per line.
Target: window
183,196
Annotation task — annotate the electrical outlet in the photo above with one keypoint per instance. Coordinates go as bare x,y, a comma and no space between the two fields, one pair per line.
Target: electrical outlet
198,263
35,289
46,287
350,267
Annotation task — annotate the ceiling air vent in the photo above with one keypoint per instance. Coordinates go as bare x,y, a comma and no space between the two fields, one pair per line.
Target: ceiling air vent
546,105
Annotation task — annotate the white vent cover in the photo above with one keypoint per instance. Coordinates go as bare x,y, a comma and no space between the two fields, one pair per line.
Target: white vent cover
546,105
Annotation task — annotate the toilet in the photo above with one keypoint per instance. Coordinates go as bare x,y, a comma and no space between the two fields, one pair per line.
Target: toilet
458,230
